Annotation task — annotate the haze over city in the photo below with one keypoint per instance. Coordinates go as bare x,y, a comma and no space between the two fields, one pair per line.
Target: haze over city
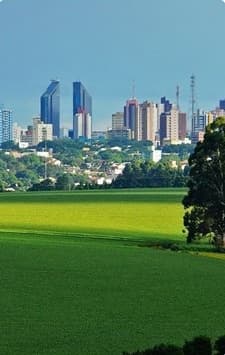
107,45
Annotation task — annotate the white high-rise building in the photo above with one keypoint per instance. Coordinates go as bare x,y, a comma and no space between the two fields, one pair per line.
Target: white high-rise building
41,131
88,126
17,133
78,125
82,125
6,132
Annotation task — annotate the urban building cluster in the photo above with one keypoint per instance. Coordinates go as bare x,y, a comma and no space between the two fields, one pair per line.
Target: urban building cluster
47,126
148,121
162,123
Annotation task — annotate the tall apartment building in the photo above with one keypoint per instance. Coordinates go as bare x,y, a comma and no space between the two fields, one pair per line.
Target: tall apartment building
6,131
117,121
160,110
50,107
27,136
199,122
169,126
82,126
118,127
182,124
148,118
132,118
82,112
41,131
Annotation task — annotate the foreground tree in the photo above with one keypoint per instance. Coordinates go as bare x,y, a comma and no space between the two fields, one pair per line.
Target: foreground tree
205,201
198,346
220,345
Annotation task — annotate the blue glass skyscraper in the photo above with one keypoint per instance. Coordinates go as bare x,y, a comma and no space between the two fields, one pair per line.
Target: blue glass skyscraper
82,101
50,107
222,104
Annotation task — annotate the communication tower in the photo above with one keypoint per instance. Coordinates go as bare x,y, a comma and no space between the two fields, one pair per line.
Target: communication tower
193,102
133,89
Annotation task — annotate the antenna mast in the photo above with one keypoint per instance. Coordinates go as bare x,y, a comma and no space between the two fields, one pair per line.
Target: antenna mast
193,103
178,97
133,89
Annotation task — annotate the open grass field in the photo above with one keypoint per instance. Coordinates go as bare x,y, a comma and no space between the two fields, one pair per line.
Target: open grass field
137,214
101,294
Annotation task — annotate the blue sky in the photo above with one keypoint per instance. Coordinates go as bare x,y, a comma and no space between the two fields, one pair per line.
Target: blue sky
107,44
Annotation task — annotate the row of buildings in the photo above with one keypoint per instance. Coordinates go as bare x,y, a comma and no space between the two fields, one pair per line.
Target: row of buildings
162,123
159,123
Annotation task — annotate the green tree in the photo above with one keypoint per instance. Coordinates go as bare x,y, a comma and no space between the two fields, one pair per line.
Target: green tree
220,345
9,145
198,346
205,201
45,185
64,182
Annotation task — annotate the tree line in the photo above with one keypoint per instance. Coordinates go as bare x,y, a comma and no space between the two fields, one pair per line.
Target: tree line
200,345
150,174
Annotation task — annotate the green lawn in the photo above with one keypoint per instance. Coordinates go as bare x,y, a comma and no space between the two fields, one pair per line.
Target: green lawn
64,294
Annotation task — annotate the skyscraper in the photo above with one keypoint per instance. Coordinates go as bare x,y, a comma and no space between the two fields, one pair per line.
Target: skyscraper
169,126
82,126
50,106
222,104
82,101
149,117
132,118
82,111
167,104
118,129
117,121
182,125
6,132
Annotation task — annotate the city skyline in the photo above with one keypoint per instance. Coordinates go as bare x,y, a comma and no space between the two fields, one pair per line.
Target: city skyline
110,51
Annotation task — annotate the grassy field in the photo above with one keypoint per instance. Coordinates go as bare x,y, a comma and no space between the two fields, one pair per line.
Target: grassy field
65,294
138,214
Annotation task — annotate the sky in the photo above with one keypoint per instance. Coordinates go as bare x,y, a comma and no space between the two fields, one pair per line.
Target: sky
108,44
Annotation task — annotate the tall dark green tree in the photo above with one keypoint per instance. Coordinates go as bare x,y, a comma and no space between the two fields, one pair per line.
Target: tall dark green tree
205,201
220,345
200,345
64,182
